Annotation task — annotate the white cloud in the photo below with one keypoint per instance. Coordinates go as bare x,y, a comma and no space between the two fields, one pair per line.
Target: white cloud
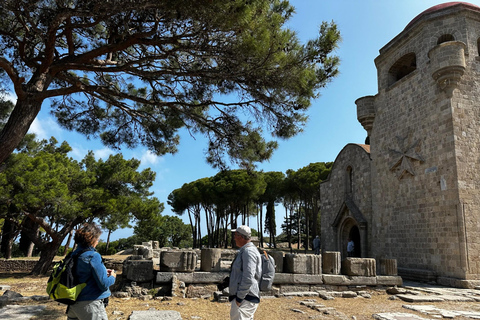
37,128
78,153
149,158
103,153
45,128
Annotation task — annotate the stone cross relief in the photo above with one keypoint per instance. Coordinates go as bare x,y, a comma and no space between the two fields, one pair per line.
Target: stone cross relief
404,155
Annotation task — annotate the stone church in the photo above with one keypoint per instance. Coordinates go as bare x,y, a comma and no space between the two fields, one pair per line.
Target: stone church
412,192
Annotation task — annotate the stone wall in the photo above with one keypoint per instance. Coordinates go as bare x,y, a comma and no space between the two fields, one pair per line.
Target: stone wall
424,134
413,149
26,266
299,270
10,266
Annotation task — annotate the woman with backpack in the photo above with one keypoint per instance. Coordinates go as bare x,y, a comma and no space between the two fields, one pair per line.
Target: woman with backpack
90,270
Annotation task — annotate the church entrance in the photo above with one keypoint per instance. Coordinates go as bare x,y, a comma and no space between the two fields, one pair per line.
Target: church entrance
354,234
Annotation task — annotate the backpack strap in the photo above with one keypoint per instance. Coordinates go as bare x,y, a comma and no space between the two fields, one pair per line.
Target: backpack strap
82,252
266,255
75,259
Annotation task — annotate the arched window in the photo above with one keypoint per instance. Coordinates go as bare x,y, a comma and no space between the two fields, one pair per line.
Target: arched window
445,38
402,67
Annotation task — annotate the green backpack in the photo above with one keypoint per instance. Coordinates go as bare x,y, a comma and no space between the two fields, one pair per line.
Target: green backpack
62,286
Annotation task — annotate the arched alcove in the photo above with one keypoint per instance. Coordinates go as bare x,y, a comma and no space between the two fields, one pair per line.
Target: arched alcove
445,38
402,67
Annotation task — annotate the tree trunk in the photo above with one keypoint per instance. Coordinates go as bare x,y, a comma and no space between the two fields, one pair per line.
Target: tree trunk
261,225
67,245
289,228
108,242
26,244
315,211
199,231
8,234
194,230
22,116
307,227
299,239
46,257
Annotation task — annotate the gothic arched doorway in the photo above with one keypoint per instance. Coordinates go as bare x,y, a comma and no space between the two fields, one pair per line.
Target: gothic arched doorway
350,223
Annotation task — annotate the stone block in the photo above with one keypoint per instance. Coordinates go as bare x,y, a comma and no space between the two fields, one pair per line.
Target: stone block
228,254
156,263
419,298
155,315
297,293
156,253
278,256
138,270
303,263
134,257
359,267
192,278
155,245
331,262
178,261
294,288
421,275
145,251
283,278
295,263
334,280
307,278
163,277
389,281
289,278
361,281
314,264
457,283
388,267
147,244
202,277
210,260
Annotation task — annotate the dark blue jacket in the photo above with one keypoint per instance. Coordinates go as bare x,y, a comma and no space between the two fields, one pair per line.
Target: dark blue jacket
91,270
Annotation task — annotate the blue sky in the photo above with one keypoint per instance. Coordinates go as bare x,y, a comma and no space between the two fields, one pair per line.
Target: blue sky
365,26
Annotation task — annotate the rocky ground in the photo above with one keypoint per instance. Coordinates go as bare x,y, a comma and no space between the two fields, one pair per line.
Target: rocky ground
413,301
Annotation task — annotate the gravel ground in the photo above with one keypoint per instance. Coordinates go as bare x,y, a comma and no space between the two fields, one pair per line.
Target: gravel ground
270,308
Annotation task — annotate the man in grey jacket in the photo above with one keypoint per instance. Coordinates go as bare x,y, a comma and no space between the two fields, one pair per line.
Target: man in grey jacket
244,276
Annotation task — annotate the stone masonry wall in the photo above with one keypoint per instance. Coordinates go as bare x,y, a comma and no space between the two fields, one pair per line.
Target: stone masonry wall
466,131
414,157
333,194
7,266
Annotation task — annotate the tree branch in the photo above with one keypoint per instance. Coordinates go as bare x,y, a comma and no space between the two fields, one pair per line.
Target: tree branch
13,75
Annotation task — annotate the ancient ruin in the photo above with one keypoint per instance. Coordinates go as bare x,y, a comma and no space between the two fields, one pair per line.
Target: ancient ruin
199,273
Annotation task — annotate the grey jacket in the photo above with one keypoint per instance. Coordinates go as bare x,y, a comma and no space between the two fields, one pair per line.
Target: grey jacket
246,273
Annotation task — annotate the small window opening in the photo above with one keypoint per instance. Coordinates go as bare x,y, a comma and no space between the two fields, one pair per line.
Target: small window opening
349,181
404,66
445,38
478,46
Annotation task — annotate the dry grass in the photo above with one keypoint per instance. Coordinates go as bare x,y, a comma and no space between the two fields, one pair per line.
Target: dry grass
271,308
